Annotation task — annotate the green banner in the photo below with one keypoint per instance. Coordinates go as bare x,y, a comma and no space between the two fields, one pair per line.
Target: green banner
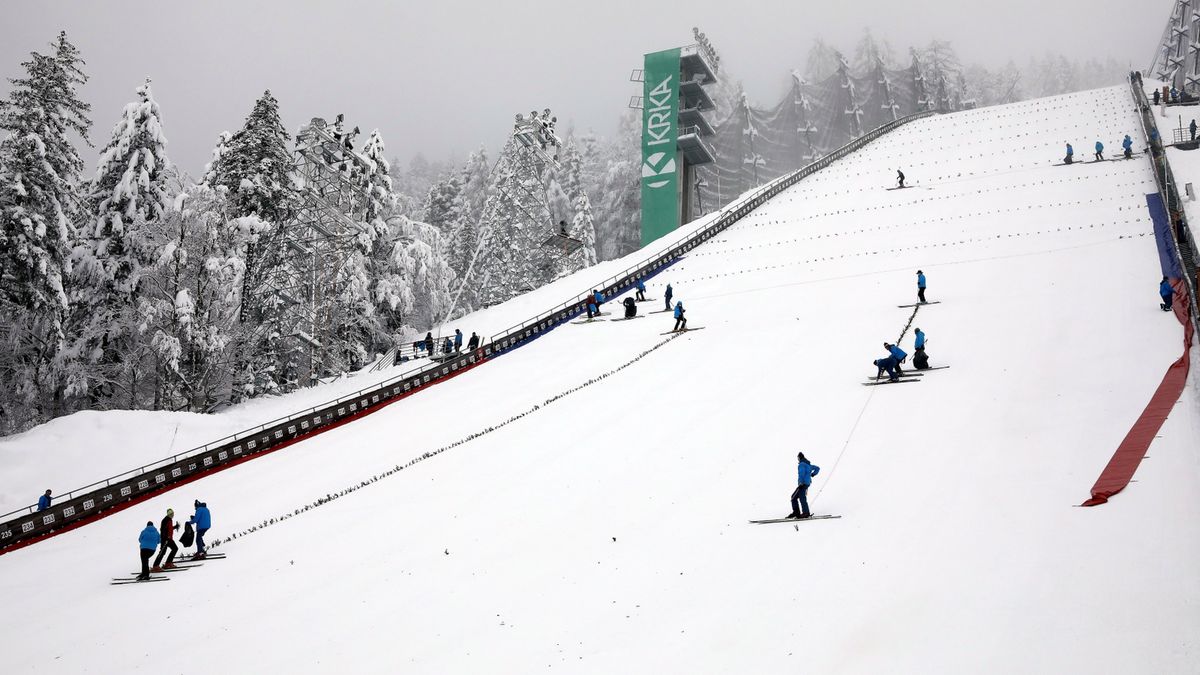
660,132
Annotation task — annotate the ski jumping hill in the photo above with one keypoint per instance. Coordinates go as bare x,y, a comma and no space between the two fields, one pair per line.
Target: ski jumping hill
581,504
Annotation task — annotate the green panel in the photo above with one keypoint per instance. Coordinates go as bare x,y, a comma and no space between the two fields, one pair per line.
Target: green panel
660,133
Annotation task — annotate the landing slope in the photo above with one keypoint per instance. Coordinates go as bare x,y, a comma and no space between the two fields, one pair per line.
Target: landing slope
606,531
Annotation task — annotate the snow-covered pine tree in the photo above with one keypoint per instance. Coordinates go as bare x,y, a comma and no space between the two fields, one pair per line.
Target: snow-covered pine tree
221,149
38,200
128,197
191,309
256,172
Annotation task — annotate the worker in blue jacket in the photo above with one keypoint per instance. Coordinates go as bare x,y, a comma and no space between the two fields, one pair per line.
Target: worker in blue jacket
1127,143
457,340
898,354
667,297
680,321
1167,293
44,501
202,519
920,286
1070,155
888,364
920,358
641,289
805,471
599,298
148,541
593,308
1099,151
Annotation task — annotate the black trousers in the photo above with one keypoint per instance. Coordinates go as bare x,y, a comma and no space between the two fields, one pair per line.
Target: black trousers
680,323
801,496
167,544
921,294
641,296
146,553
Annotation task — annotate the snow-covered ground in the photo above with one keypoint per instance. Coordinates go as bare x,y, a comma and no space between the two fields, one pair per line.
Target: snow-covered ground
605,531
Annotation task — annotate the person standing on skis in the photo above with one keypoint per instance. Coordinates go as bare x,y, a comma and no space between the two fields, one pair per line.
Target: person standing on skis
667,297
1099,151
147,542
921,286
680,321
900,178
805,472
1127,143
166,535
641,289
920,358
1070,155
593,308
202,519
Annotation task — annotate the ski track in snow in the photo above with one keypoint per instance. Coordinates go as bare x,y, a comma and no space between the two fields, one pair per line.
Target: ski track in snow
608,533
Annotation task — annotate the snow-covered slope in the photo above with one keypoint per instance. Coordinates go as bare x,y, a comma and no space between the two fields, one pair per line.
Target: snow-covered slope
605,530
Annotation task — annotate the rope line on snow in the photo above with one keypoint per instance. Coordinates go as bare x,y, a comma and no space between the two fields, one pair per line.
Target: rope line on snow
329,497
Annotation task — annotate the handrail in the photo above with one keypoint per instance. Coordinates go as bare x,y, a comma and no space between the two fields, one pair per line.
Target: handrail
1168,190
298,423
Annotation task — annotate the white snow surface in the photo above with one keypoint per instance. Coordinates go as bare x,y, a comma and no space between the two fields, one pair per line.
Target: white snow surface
606,531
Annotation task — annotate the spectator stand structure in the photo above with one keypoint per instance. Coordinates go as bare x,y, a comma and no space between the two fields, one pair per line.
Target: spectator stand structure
82,505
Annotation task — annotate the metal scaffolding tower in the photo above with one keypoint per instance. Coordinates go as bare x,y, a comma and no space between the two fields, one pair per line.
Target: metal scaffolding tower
1177,59
334,199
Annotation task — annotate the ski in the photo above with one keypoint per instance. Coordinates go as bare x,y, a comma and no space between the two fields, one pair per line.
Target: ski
904,374
901,187
626,318
902,380
591,320
921,370
214,556
919,304
659,311
685,330
124,581
177,568
791,520
646,300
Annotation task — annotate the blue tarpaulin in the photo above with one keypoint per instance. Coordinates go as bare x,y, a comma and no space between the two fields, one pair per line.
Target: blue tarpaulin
1162,236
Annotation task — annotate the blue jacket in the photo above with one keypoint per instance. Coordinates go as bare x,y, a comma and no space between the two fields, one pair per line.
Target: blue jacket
202,519
149,537
898,354
1070,150
886,363
639,285
920,342
1164,289
920,281
806,472
669,291
1127,143
679,310
599,298
1099,146
458,338
43,503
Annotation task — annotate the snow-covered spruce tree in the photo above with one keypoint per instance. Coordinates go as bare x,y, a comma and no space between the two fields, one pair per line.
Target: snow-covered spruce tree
580,222
464,243
256,172
39,171
190,301
221,149
129,197
617,218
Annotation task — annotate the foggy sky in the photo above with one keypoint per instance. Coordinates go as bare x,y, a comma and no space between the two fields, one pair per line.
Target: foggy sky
441,77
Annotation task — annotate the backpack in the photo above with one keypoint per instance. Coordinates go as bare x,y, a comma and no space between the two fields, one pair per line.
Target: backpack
188,535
